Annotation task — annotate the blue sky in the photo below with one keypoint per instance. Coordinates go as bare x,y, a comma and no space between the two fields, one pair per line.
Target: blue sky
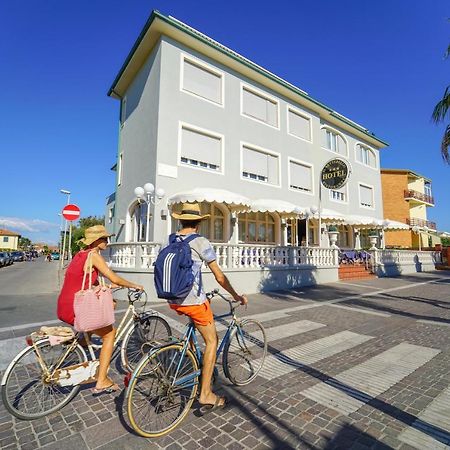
379,63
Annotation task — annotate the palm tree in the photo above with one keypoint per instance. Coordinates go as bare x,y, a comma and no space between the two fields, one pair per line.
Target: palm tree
440,114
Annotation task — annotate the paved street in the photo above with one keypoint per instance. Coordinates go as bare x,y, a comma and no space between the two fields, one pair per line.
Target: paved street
356,365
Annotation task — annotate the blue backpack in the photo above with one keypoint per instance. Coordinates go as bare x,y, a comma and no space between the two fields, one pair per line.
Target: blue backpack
173,269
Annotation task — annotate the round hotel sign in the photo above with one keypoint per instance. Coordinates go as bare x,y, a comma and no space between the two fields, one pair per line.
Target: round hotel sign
335,174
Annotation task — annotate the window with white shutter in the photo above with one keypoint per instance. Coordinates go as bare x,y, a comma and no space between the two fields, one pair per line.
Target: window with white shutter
200,149
365,156
260,166
300,176
259,107
366,196
333,141
202,81
299,125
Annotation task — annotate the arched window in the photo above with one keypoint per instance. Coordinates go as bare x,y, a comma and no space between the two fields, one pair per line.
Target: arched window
366,156
256,227
343,236
212,228
138,222
333,141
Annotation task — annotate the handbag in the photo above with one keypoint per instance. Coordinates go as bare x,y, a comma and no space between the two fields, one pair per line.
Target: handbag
93,307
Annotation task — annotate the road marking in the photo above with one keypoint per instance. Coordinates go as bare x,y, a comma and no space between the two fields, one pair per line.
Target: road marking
433,424
435,322
353,388
281,363
361,310
358,285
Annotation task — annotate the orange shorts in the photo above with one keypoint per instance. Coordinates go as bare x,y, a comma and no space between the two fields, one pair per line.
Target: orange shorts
200,314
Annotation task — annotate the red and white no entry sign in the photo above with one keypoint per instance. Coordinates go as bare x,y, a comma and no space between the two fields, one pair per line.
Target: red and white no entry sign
71,212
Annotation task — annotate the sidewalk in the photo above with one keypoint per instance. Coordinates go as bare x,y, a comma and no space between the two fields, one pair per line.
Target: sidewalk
350,365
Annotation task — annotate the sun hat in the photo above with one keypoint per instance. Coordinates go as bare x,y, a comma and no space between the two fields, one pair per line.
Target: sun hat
93,233
190,211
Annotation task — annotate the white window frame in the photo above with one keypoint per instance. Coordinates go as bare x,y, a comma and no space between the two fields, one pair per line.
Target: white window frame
262,150
263,94
302,114
123,111
333,130
210,133
208,68
119,169
346,201
371,150
373,196
304,163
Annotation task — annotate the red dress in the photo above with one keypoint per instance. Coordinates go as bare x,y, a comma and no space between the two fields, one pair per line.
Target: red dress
72,284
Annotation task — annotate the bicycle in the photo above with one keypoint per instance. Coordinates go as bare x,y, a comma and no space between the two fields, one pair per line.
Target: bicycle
164,385
43,378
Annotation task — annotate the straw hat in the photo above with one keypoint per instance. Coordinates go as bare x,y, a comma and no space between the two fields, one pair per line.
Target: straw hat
190,211
91,234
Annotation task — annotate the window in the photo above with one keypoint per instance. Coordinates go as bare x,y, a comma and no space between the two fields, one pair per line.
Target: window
337,196
365,156
119,170
333,141
198,79
123,110
110,214
427,189
200,149
300,176
259,107
260,166
213,228
256,227
5,239
365,196
299,125
343,240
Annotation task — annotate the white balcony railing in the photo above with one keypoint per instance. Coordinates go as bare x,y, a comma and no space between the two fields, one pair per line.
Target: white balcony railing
141,255
405,257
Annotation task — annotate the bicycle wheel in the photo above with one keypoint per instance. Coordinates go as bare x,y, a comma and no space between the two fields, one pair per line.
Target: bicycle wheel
244,353
154,406
146,333
25,392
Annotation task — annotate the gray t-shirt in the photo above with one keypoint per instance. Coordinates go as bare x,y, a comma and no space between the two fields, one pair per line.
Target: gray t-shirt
202,251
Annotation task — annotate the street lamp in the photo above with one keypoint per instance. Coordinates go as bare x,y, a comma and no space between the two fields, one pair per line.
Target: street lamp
148,195
311,213
65,192
384,225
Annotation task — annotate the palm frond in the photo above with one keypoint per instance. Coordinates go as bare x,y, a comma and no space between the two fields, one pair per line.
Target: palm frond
445,144
442,108
447,53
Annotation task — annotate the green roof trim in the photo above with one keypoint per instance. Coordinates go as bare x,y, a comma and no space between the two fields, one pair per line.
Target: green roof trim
228,52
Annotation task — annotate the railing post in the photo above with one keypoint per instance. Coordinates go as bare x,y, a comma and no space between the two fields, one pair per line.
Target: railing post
291,255
335,257
138,260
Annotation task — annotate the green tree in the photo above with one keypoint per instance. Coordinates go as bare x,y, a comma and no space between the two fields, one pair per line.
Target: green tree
78,231
440,114
24,243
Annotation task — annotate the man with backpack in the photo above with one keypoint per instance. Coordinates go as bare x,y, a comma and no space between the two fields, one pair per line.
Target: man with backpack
178,279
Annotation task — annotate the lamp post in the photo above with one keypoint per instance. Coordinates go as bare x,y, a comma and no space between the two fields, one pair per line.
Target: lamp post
416,230
312,212
384,225
148,195
65,192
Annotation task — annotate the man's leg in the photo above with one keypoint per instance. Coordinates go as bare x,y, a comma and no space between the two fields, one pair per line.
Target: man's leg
209,335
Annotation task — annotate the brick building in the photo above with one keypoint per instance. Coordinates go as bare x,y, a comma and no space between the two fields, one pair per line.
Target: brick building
406,197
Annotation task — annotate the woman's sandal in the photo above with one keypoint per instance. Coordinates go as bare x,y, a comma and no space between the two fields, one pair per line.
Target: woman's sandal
206,408
113,387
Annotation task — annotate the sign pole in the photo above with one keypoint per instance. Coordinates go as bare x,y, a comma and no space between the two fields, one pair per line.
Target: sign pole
70,213
64,245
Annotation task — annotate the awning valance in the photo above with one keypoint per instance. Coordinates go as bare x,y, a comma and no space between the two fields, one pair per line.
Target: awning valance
329,216
374,223
210,195
279,206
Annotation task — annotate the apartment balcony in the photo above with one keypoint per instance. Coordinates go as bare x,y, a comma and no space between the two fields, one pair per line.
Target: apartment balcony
419,196
421,223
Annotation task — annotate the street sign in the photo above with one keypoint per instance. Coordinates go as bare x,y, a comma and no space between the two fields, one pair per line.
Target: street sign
335,174
71,212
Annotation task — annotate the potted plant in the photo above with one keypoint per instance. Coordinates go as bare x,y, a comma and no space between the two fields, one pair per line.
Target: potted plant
373,239
333,235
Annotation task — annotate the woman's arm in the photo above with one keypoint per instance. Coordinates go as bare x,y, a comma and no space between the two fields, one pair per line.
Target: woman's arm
100,264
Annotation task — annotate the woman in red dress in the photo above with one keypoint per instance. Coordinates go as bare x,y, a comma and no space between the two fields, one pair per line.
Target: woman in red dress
96,239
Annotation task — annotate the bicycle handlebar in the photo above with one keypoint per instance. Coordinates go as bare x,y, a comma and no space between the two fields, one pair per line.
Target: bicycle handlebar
233,304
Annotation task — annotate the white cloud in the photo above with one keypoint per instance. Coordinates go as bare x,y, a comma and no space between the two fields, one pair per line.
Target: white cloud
27,225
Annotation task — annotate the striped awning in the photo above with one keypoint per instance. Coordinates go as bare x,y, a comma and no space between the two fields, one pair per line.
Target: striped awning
279,206
211,195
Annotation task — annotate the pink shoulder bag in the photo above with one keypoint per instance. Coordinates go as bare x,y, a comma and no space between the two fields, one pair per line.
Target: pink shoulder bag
93,307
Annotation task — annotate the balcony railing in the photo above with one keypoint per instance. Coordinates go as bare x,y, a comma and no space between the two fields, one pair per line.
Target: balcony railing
419,196
421,223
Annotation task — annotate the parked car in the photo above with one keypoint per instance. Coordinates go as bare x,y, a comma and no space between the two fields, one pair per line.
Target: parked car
18,256
55,256
3,259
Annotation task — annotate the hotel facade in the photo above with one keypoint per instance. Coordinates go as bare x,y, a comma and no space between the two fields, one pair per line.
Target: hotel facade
205,124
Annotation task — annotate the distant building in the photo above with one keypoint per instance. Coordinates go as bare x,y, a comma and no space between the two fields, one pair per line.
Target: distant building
406,197
9,239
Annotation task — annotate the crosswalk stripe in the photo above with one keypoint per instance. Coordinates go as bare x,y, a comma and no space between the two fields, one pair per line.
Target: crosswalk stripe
432,428
351,389
282,363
